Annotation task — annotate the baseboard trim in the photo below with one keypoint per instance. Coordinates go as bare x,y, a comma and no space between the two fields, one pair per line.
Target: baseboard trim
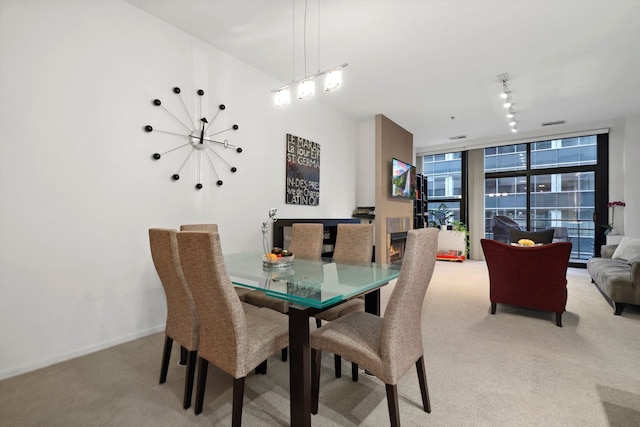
8,373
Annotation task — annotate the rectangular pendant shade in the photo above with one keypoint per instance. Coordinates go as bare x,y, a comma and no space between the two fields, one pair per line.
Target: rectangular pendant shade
306,89
282,97
333,80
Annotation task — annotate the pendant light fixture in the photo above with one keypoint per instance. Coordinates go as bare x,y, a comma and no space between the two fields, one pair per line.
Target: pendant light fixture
306,86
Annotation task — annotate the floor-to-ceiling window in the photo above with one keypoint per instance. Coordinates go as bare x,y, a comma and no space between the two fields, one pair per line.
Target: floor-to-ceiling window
446,183
548,184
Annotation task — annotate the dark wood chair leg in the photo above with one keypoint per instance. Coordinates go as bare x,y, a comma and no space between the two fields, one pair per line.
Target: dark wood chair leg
166,355
618,307
316,358
183,355
188,381
354,372
392,401
285,354
261,368
493,308
559,319
424,389
203,366
238,396
337,362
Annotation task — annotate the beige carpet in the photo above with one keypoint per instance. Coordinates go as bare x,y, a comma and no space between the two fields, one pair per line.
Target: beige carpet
515,368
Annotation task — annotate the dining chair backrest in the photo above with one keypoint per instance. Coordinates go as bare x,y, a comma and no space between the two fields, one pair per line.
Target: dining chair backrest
213,228
182,321
354,243
223,329
401,332
306,240
209,228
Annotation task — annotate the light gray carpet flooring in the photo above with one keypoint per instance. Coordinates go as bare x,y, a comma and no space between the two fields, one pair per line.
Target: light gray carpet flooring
514,368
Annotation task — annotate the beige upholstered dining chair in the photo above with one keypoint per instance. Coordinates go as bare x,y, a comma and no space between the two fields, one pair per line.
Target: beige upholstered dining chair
234,336
306,240
209,228
354,245
182,321
385,346
213,228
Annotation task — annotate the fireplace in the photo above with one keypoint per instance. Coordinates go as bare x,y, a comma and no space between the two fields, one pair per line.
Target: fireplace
397,243
397,238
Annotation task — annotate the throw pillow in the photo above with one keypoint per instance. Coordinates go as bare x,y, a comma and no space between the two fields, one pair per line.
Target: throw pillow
627,249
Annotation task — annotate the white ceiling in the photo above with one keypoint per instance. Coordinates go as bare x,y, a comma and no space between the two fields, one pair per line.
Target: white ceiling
431,66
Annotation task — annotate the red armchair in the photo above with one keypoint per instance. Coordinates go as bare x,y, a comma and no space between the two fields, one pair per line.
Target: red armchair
533,277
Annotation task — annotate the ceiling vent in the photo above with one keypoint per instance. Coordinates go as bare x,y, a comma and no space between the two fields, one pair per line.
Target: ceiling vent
454,138
558,122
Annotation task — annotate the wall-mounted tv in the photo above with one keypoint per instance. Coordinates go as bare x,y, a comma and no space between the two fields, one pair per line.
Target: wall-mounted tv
403,179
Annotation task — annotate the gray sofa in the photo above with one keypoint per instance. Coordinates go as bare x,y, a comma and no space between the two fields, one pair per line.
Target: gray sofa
617,279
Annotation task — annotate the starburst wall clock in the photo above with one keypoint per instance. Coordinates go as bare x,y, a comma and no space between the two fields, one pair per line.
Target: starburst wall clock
202,143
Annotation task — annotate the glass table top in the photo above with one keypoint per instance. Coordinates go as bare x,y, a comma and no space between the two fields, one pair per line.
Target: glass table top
311,283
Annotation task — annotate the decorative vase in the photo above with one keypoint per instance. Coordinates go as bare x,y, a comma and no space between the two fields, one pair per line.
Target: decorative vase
443,227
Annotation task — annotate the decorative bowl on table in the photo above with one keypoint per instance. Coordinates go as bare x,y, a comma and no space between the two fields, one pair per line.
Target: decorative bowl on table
274,261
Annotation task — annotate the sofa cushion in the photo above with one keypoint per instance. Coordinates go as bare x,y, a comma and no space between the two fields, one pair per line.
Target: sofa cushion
613,276
628,249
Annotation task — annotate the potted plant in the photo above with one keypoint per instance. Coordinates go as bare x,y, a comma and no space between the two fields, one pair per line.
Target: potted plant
460,226
442,216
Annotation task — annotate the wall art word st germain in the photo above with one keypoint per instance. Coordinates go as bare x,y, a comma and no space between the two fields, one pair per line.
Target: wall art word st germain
303,172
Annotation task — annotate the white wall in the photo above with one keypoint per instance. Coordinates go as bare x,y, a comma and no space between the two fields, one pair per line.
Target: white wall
78,188
631,171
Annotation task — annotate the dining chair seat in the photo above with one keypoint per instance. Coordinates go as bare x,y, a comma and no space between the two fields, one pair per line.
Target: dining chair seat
258,298
350,306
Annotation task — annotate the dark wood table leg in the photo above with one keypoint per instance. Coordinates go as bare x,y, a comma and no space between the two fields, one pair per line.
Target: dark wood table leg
299,367
372,305
372,302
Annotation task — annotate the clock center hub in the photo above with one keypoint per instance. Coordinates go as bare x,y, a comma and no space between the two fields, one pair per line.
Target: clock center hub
194,139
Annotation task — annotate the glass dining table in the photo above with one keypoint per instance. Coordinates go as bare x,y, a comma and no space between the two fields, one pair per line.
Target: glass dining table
310,286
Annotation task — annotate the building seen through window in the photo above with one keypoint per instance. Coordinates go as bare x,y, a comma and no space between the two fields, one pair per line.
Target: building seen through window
545,184
444,182
539,185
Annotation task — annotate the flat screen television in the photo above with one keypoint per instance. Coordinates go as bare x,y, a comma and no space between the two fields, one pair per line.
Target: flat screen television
403,179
